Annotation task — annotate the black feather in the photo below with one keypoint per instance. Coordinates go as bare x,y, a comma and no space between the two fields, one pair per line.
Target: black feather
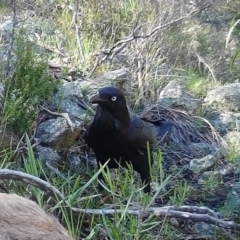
114,135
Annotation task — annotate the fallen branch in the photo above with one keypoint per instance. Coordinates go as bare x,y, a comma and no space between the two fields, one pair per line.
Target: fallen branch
168,211
32,180
192,213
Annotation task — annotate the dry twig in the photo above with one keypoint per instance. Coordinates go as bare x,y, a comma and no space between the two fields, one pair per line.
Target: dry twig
64,115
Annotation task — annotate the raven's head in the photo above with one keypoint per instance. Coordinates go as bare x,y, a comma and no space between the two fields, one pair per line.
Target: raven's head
112,100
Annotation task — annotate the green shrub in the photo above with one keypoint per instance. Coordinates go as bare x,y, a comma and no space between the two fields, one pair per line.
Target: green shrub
27,88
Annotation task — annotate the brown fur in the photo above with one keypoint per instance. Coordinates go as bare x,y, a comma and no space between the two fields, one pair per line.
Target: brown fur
23,219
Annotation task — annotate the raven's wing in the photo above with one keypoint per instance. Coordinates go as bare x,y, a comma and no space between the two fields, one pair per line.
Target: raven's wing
142,130
160,127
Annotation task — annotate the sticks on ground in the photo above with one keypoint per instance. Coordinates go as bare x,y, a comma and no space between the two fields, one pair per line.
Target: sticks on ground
192,213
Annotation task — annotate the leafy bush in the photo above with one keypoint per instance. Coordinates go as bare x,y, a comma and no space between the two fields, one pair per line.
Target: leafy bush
27,88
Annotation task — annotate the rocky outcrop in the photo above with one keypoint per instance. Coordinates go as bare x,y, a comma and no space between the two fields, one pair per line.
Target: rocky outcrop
225,97
175,96
203,164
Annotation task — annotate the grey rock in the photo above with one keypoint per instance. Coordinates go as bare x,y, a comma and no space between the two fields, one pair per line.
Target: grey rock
6,57
51,160
209,175
233,142
48,155
203,164
117,78
76,113
225,121
6,26
218,173
233,198
174,95
119,75
62,100
66,89
52,129
227,97
226,170
57,133
75,162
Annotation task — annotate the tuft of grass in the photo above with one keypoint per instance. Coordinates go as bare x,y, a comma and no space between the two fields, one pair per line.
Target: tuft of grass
33,166
232,154
204,45
210,184
180,194
198,84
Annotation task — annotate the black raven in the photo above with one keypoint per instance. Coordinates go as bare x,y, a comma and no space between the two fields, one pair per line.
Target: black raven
114,135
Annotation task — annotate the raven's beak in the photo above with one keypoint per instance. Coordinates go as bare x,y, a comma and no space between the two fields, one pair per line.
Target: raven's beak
96,99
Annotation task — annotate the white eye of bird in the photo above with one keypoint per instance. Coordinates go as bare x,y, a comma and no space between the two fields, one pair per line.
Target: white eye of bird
114,98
